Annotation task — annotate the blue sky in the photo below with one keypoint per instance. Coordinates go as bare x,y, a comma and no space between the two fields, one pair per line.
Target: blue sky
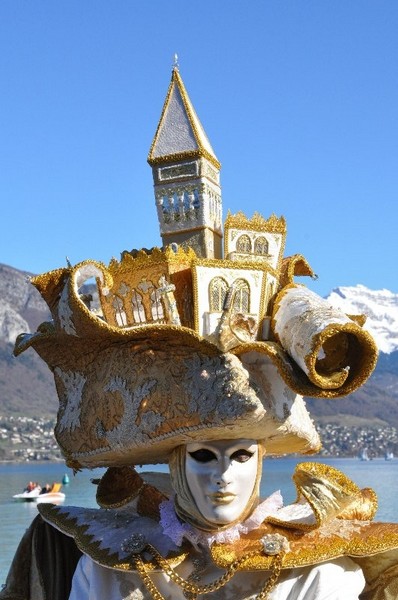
299,100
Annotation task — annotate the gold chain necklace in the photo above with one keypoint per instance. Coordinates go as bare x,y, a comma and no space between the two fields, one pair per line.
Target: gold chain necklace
191,590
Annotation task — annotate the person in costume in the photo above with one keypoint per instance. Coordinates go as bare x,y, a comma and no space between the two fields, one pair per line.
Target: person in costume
210,406
216,501
198,357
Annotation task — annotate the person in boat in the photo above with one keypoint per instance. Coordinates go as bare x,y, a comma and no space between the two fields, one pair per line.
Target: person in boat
160,378
46,489
32,485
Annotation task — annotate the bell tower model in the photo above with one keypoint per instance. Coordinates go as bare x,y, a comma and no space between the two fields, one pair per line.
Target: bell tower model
186,176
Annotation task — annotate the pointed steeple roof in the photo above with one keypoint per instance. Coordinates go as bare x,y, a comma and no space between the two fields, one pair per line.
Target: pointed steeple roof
180,134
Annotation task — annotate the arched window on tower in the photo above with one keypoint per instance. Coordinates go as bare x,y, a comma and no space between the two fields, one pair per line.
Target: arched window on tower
166,208
138,307
175,202
261,246
218,288
241,296
120,313
244,245
157,307
187,206
196,202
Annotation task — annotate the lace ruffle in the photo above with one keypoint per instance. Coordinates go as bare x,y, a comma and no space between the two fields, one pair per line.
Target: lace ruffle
177,531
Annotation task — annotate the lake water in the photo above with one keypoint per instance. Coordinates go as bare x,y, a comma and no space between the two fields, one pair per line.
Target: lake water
379,474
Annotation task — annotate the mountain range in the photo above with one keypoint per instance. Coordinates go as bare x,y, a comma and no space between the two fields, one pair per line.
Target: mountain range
27,387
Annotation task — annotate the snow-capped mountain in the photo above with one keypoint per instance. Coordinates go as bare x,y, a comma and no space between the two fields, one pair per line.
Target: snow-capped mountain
380,308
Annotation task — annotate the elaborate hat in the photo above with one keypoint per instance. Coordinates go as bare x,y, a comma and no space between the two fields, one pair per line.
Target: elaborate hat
131,392
189,343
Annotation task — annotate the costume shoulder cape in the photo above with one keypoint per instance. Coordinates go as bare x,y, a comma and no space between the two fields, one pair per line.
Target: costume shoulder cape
331,518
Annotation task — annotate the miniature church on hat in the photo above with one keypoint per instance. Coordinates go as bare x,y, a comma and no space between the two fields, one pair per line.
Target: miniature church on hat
243,271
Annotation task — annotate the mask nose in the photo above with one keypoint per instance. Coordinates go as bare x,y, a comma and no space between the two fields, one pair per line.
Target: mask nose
222,475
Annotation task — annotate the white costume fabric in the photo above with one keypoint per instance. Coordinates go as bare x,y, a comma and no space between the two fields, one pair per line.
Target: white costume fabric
340,579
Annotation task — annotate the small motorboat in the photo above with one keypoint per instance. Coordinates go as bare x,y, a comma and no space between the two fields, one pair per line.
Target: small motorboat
54,495
28,496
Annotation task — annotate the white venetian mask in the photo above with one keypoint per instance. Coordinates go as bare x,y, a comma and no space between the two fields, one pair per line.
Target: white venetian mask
221,476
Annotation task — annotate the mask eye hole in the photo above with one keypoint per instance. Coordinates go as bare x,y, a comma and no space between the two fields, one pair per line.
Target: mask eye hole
203,455
241,455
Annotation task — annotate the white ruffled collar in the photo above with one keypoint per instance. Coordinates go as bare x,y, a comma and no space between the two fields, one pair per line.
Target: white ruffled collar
178,531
